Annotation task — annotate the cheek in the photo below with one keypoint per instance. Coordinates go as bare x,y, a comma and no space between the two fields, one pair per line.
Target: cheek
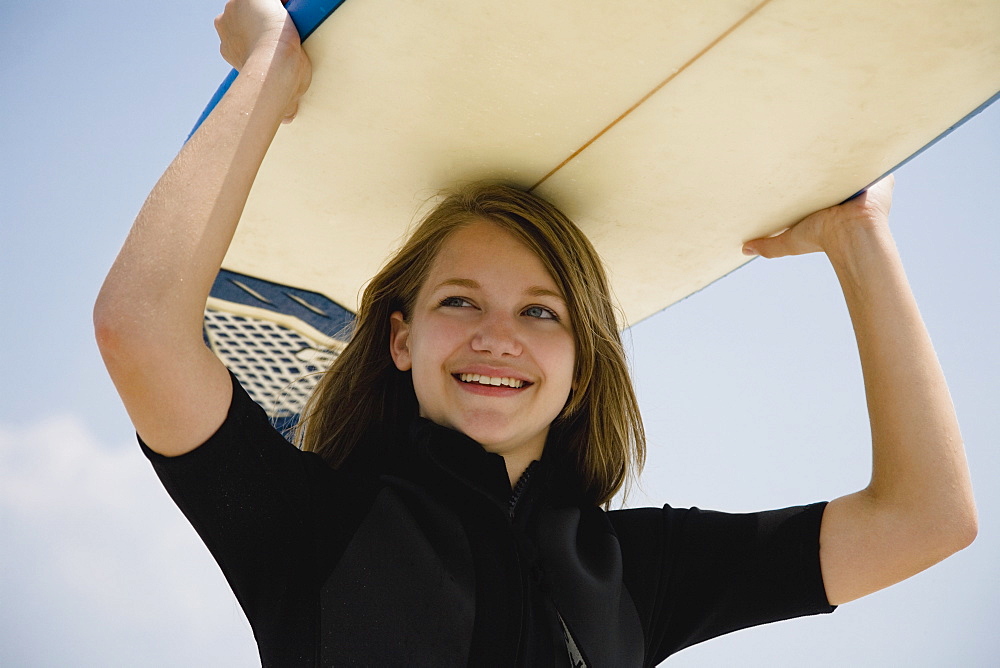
432,343
560,355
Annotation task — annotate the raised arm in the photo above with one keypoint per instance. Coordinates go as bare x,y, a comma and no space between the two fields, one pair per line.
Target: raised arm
918,507
148,315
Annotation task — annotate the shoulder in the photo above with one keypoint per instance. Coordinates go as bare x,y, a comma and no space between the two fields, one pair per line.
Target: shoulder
742,550
245,456
696,522
695,574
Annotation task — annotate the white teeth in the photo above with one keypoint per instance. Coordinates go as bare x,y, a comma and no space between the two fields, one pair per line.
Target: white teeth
488,380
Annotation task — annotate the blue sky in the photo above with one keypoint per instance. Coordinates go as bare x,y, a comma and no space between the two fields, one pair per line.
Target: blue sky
751,389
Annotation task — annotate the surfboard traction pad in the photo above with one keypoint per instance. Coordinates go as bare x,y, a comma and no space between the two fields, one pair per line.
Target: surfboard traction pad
275,339
670,133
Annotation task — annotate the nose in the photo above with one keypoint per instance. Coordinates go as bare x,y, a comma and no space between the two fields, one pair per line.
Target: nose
497,335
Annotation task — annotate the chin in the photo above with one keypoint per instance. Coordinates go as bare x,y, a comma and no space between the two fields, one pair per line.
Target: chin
497,433
490,439
503,442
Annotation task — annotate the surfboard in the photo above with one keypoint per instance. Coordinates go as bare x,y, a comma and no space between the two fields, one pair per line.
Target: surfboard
670,130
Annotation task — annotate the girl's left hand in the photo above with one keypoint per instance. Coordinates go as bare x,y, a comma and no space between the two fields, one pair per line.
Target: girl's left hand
827,229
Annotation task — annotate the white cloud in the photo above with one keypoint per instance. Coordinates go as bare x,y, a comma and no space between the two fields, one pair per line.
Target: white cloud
98,567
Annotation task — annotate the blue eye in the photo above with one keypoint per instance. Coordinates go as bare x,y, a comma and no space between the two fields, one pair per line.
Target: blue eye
540,312
457,302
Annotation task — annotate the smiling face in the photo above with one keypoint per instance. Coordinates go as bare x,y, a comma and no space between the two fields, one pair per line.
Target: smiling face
489,343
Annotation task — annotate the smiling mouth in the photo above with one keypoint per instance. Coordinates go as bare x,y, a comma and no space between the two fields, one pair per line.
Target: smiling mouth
475,378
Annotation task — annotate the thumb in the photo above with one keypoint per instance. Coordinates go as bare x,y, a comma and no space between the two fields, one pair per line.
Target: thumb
775,246
305,78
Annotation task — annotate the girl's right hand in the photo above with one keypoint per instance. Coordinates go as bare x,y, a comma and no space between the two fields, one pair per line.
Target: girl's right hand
263,27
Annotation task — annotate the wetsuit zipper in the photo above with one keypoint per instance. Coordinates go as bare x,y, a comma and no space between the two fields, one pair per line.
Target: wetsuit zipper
518,491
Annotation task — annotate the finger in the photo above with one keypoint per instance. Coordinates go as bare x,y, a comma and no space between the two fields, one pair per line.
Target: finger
779,245
880,193
876,197
757,247
292,110
884,185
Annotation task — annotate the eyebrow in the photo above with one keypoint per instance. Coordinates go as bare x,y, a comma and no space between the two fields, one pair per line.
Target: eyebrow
533,291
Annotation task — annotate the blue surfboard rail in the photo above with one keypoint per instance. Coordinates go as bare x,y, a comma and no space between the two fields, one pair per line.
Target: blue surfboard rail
307,15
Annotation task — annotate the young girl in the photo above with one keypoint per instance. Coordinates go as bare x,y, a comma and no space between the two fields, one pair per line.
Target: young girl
446,505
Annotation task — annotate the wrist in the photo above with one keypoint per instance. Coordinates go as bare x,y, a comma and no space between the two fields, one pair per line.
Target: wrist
859,229
279,66
861,252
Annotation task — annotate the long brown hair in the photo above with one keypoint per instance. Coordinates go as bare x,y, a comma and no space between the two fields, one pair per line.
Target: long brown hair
599,430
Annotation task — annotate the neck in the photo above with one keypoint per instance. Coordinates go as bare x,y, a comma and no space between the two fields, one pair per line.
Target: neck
516,464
